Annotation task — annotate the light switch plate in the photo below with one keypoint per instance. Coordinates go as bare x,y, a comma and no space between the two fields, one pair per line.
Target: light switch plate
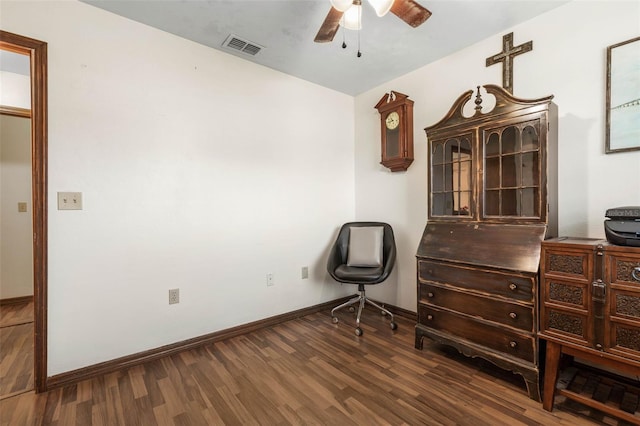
69,200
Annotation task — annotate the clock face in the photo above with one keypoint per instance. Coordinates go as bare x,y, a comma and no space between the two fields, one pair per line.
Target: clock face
392,121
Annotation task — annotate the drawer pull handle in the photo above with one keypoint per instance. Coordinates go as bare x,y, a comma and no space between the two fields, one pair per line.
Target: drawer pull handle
512,286
636,273
429,294
512,344
598,346
513,315
429,317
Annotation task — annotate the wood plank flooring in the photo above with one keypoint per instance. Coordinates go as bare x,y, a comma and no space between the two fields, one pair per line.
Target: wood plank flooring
16,349
16,314
306,371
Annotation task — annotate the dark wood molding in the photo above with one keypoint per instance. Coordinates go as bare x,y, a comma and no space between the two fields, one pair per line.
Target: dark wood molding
37,51
75,376
401,312
16,300
15,111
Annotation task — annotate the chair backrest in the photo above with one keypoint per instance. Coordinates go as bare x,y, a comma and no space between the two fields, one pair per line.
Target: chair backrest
340,249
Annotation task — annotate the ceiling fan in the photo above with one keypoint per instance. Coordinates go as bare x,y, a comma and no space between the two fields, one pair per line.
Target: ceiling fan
407,10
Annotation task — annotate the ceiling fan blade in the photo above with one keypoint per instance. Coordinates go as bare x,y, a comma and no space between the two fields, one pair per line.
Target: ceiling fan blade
410,12
329,27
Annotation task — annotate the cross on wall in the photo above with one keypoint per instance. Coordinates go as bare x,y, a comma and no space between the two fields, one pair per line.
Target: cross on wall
506,57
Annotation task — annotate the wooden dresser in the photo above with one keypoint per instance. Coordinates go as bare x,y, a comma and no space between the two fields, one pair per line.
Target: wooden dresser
491,204
590,310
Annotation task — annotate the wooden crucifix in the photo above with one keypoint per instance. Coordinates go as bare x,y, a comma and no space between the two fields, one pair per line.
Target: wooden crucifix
506,56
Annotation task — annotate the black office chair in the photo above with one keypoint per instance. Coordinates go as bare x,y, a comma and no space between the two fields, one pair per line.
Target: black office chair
364,254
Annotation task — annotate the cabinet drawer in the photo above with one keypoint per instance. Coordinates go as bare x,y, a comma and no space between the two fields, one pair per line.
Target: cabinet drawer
499,339
621,270
565,324
502,312
625,340
624,323
574,294
570,264
625,304
512,286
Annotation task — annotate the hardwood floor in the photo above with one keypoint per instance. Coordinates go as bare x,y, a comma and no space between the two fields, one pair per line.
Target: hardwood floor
16,314
16,349
304,371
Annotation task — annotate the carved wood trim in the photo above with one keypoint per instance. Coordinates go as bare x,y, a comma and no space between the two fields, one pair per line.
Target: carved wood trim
505,103
624,268
627,305
567,323
566,263
528,371
566,293
628,338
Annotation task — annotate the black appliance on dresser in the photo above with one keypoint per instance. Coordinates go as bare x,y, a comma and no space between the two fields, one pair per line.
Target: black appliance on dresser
623,226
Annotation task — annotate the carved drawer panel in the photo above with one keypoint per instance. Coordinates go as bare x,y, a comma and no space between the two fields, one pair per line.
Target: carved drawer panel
625,340
568,293
574,265
565,324
500,284
499,339
622,270
625,304
510,314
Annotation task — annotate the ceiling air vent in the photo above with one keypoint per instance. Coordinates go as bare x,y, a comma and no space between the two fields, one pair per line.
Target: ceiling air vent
245,46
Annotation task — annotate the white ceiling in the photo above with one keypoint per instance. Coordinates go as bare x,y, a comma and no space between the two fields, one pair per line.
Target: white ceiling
286,28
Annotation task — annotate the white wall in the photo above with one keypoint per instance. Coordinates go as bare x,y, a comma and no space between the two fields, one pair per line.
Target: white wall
199,171
16,230
569,61
15,89
190,180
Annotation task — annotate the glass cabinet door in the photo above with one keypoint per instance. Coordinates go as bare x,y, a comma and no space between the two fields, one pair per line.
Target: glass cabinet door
451,177
512,171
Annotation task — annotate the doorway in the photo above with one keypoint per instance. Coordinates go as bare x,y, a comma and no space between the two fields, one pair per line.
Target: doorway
16,228
37,52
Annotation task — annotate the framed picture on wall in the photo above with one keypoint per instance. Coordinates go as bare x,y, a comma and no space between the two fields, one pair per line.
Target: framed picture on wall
623,96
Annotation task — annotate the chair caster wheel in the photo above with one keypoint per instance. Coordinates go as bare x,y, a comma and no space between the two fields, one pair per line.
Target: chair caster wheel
334,320
394,326
359,331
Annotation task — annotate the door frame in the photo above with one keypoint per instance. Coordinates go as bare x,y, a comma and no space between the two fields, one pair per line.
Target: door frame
37,51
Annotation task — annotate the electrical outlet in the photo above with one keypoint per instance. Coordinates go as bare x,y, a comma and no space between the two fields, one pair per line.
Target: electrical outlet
270,279
22,207
304,273
174,296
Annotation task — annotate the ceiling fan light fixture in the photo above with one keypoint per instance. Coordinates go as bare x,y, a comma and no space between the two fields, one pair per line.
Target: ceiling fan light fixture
341,5
382,7
352,18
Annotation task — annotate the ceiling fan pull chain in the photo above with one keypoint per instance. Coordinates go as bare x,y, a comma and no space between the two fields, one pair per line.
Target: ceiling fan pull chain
344,45
359,26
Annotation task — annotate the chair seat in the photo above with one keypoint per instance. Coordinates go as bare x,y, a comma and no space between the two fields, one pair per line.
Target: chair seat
359,274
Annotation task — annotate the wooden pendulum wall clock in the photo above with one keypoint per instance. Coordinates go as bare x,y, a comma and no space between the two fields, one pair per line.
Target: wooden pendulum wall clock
396,124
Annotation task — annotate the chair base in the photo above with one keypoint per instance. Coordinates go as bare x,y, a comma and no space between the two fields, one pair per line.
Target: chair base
362,299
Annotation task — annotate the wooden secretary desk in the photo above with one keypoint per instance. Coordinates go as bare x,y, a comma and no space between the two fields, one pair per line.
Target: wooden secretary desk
492,201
